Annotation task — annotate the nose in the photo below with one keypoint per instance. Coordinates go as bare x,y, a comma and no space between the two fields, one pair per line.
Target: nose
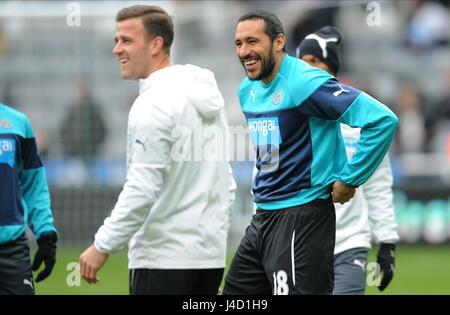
243,51
118,49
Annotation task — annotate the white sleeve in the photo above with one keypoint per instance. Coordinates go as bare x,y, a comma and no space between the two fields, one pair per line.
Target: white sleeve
149,163
379,197
232,196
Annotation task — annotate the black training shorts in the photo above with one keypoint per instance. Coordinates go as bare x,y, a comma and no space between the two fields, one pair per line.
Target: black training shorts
175,281
288,251
15,269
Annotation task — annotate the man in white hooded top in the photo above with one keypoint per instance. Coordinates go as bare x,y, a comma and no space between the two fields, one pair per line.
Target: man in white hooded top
174,209
370,215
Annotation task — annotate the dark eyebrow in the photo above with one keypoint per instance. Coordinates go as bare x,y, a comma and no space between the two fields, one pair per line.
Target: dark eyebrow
248,38
251,38
122,37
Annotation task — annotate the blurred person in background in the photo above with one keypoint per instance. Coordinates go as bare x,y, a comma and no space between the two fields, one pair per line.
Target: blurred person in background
174,212
24,202
293,111
428,25
3,42
370,214
83,129
411,130
438,122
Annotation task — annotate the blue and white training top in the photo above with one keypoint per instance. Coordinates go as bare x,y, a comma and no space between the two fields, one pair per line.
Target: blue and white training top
294,125
24,195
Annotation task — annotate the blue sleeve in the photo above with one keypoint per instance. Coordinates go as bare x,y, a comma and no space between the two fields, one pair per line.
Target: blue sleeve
340,102
34,187
378,125
330,100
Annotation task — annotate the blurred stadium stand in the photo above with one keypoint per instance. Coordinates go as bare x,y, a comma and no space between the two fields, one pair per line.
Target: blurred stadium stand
42,59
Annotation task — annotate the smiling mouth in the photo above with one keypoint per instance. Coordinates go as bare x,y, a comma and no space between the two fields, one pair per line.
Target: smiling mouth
123,60
249,63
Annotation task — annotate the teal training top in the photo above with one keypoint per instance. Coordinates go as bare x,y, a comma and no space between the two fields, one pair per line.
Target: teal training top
24,195
294,125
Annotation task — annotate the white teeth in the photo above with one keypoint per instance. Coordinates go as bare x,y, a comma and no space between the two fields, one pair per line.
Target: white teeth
122,61
250,62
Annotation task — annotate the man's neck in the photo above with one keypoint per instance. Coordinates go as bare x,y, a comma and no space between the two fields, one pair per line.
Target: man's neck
159,64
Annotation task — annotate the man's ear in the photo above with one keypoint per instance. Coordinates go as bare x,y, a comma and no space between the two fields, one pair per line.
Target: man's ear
157,44
280,42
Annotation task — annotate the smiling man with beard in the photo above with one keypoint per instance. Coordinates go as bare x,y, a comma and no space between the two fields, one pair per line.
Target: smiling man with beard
301,163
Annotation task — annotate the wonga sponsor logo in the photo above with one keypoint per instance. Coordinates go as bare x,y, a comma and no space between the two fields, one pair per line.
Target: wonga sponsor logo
265,131
7,149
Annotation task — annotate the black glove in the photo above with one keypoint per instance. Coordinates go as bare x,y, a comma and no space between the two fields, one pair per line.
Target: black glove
46,253
386,260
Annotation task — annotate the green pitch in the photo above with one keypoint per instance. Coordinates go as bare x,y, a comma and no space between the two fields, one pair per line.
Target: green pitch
419,270
113,276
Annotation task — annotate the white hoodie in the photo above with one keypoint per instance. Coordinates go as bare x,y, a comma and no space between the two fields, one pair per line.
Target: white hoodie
175,206
370,214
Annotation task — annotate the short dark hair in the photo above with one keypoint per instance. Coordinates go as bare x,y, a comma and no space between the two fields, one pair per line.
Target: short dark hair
156,21
273,23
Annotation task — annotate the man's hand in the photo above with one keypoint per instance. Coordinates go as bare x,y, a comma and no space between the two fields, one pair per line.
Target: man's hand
342,193
46,253
386,260
91,260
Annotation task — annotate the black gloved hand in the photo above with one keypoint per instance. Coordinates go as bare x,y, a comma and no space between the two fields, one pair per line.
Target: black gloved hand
386,260
46,253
